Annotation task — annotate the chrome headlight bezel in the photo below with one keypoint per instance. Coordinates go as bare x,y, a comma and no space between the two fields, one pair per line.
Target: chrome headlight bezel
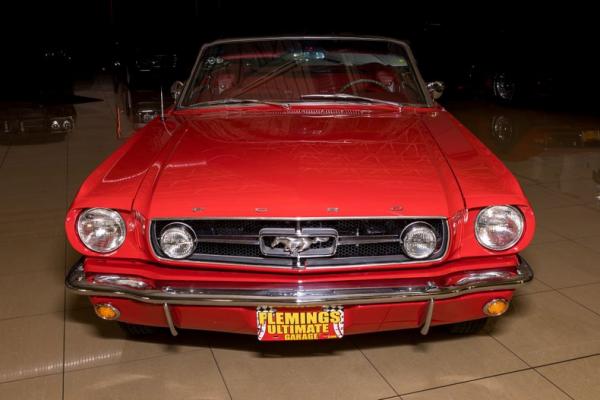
519,221
108,215
416,225
183,228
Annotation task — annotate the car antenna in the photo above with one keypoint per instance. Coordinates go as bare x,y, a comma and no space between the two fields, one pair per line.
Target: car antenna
162,105
162,112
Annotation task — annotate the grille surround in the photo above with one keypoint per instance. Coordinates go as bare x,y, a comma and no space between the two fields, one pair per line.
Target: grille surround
347,255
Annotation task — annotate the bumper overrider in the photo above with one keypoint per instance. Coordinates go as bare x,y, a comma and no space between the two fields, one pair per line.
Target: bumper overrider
466,285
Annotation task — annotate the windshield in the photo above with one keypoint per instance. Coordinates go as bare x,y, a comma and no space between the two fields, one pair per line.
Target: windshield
304,70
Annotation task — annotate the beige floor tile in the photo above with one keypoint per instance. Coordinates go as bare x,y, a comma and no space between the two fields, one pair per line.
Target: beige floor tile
537,169
592,243
42,388
92,342
76,302
583,191
411,362
46,159
572,222
31,346
31,293
526,385
580,379
29,191
31,196
3,150
331,369
556,166
588,296
542,198
547,327
189,376
23,225
543,236
548,168
563,264
535,286
26,253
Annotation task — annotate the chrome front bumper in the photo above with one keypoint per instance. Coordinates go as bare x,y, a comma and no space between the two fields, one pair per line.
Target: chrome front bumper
472,282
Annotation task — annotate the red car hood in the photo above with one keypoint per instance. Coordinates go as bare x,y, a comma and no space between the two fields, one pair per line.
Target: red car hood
299,165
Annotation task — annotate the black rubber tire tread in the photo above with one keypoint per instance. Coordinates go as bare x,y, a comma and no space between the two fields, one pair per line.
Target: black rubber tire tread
468,327
138,330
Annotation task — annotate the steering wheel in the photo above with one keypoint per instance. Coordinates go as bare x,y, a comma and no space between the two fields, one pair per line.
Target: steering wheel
359,81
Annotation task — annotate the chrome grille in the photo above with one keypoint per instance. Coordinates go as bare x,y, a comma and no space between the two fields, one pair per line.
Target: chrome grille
359,241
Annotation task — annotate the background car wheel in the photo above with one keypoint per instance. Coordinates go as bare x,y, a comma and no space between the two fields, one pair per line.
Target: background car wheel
503,129
138,330
504,87
468,327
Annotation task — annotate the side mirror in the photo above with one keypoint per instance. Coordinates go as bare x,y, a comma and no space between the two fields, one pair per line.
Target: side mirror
176,89
436,89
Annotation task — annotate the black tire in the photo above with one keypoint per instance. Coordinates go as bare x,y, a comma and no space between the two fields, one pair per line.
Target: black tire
138,330
504,88
468,327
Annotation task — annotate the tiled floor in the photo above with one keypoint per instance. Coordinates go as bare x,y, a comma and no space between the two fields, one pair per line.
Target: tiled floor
52,347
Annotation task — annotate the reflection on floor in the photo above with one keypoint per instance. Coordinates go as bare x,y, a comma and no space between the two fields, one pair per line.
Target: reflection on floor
547,347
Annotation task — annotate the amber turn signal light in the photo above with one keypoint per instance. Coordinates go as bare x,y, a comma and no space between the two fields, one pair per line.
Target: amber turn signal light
496,307
107,311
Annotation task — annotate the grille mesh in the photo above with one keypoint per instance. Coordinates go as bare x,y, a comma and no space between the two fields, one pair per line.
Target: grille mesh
369,250
388,250
226,249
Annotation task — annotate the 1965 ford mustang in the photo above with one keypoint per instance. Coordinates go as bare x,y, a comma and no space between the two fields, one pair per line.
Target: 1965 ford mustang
301,188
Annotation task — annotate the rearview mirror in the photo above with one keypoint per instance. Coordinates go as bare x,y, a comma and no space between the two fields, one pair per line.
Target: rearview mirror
436,89
176,89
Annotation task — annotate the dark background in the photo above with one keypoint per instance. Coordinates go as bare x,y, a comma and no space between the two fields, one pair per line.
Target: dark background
90,28
448,40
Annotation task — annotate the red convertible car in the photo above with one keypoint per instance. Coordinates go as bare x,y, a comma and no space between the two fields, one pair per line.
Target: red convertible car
301,188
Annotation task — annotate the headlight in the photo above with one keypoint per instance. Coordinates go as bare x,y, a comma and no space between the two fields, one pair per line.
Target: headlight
418,240
145,116
177,240
101,230
499,227
61,124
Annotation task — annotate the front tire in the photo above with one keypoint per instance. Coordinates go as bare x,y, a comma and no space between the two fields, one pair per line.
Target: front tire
138,330
468,327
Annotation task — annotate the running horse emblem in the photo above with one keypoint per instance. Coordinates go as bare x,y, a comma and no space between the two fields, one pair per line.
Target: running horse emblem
295,245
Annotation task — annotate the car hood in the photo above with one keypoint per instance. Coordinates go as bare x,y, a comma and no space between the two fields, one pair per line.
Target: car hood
300,165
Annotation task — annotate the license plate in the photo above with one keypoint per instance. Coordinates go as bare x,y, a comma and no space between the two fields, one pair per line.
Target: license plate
305,323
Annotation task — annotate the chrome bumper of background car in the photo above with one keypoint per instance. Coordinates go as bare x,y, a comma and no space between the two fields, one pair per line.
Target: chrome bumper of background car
471,282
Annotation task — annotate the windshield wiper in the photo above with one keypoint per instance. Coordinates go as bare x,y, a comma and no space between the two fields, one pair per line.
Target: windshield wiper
349,97
239,101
